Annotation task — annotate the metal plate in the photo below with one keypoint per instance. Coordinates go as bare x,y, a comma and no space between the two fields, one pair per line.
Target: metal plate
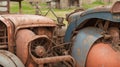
83,42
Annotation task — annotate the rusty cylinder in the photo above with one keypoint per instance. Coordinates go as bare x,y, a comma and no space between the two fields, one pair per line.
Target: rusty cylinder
103,55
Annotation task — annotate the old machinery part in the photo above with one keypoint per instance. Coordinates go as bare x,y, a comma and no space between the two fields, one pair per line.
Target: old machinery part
54,59
60,21
102,55
44,31
59,34
3,36
40,51
7,59
23,37
115,37
115,8
39,47
112,37
83,42
43,53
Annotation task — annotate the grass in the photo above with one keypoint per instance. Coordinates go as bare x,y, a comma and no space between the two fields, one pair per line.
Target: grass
95,4
26,8
29,9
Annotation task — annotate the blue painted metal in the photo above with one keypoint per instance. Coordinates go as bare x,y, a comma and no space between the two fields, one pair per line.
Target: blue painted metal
83,42
77,19
95,10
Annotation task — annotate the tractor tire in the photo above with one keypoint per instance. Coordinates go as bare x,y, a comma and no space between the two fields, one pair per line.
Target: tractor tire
7,59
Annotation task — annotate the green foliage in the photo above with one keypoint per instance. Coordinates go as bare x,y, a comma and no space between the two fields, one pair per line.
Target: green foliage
94,4
99,2
26,8
29,9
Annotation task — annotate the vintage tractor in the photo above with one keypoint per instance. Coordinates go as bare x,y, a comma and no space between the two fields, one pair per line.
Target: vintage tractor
95,36
30,41
91,39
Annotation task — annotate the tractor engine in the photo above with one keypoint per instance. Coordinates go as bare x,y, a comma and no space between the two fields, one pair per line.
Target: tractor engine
32,42
34,45
38,46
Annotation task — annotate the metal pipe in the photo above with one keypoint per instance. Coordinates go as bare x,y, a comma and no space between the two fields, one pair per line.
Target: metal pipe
53,59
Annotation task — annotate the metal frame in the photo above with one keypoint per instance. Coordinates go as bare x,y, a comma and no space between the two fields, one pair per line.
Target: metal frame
77,19
83,42
10,33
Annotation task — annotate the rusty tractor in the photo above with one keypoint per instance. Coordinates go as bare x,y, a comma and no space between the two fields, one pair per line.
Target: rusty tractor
91,39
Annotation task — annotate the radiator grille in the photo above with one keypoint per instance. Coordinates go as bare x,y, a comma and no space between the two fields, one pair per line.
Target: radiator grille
3,36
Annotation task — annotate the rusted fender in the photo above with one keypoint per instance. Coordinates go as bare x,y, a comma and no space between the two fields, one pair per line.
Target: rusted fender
83,42
23,37
7,59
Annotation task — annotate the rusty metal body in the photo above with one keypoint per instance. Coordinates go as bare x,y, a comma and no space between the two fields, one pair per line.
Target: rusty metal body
38,41
100,53
33,39
22,41
94,33
83,42
34,35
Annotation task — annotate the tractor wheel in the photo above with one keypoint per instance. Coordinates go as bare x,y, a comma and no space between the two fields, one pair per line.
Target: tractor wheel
8,59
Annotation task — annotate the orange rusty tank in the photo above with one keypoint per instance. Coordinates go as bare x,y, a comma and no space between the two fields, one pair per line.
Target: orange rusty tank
102,55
